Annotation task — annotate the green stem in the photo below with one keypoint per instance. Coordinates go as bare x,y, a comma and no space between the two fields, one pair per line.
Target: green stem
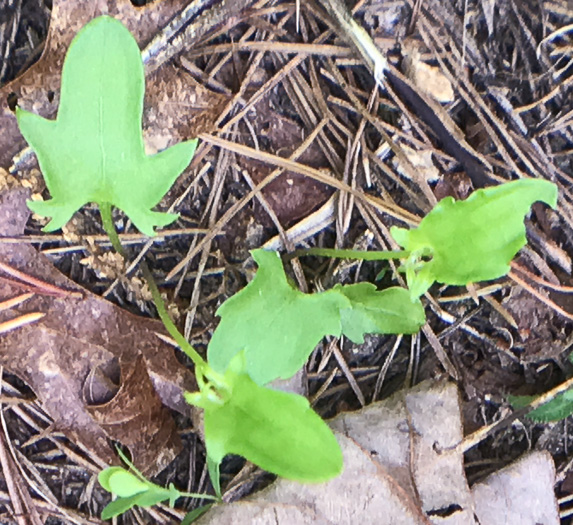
199,362
198,496
109,227
352,254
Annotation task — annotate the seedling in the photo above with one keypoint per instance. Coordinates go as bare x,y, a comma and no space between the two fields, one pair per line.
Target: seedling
132,488
93,152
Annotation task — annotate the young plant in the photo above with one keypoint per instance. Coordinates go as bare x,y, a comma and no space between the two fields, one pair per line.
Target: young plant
131,488
93,152
463,242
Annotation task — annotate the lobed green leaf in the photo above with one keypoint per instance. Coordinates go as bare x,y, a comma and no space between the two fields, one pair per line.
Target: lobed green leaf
278,326
94,150
472,240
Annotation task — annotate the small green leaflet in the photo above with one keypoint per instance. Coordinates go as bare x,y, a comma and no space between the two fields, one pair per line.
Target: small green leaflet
132,490
195,514
278,326
275,430
555,410
472,240
94,151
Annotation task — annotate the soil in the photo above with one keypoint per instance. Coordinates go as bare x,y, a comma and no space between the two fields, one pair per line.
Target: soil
512,59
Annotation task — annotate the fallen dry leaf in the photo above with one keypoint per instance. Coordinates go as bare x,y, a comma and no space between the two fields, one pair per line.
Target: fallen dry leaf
422,163
56,356
519,493
401,467
429,78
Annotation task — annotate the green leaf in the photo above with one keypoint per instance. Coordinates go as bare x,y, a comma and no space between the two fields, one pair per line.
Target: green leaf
105,475
118,506
94,151
124,484
555,410
131,490
275,430
214,476
472,240
277,325
389,311
191,516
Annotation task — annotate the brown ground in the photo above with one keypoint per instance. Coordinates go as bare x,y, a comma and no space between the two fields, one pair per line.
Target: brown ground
511,75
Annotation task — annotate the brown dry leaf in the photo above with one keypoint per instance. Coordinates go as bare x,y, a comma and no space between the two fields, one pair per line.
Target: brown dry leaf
519,493
79,335
429,78
263,513
176,108
422,163
401,467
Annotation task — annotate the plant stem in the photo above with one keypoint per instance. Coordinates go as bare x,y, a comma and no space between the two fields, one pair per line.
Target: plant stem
109,227
198,496
199,362
352,254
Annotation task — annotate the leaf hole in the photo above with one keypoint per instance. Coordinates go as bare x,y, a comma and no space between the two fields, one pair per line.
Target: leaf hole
12,101
445,512
102,383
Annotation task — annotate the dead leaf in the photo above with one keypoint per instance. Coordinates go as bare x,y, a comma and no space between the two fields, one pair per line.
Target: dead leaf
362,494
520,493
422,163
136,417
427,78
262,513
77,335
401,466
